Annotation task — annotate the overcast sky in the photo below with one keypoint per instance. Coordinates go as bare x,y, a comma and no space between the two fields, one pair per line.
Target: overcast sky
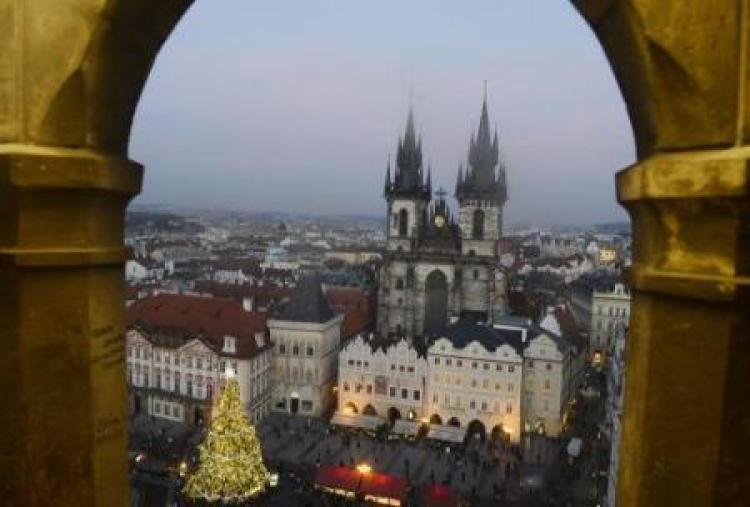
295,105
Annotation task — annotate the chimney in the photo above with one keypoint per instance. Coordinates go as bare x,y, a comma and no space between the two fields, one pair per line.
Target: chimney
248,304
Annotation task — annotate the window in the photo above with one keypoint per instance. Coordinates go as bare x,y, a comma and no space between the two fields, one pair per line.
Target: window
393,367
392,392
511,369
157,407
189,387
477,229
404,394
448,362
459,363
306,405
437,360
401,368
484,405
549,366
175,411
546,405
547,384
199,363
509,408
351,362
295,350
486,366
310,351
474,365
410,369
417,395
145,380
435,398
510,388
485,383
359,364
346,386
369,388
367,364
282,348
473,382
472,404
476,273
358,388
499,367
530,363
400,284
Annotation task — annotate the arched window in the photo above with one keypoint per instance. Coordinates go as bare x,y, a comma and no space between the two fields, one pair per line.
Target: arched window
477,230
403,222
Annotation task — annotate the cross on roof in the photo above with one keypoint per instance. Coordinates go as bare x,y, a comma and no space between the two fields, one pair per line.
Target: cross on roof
441,193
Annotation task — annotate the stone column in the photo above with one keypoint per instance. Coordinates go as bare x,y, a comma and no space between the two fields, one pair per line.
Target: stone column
682,67
62,379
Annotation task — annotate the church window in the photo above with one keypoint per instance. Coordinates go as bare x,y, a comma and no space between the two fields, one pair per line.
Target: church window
403,222
477,230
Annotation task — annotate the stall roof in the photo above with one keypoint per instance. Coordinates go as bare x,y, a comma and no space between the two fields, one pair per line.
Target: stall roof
367,422
405,427
373,484
446,433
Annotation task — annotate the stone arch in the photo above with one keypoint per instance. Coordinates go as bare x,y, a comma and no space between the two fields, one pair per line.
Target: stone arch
682,99
351,407
393,414
436,302
436,419
476,429
454,421
369,410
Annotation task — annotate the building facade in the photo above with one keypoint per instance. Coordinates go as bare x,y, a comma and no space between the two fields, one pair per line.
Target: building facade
382,377
306,337
179,349
610,307
437,267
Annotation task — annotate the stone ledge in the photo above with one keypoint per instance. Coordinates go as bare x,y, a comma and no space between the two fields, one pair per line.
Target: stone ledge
64,257
683,284
42,167
686,175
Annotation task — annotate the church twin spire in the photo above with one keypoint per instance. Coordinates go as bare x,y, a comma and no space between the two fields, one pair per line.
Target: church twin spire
479,180
409,179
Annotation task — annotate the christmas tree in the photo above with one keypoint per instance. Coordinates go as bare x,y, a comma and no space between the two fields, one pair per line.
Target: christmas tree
231,466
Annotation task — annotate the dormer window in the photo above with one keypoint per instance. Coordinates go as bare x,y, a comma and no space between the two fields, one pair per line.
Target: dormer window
230,345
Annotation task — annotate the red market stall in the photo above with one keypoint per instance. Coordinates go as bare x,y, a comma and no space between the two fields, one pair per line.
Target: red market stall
381,489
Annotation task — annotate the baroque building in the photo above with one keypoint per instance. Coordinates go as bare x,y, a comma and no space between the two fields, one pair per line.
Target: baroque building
438,267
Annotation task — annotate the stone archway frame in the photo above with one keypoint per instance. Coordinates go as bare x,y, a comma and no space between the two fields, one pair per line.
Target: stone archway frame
71,74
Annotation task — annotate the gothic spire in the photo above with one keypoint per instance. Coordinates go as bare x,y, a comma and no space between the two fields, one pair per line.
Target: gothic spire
409,173
388,176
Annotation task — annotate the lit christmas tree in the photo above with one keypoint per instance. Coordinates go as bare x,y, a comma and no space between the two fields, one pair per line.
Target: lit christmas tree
231,468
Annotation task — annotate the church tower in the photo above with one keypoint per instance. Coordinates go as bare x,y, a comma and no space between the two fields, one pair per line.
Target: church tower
481,192
408,193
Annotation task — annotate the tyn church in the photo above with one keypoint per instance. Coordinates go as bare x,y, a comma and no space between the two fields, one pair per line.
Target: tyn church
439,267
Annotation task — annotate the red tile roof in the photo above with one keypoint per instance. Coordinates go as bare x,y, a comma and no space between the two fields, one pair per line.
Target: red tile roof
208,319
356,306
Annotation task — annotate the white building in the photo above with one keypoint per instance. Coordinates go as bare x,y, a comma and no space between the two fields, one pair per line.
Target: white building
382,377
306,337
179,348
610,306
498,380
475,379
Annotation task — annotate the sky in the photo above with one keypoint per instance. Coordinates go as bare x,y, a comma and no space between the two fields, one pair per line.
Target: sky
296,105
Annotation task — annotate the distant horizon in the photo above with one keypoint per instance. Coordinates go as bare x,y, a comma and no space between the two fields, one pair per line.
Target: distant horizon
198,209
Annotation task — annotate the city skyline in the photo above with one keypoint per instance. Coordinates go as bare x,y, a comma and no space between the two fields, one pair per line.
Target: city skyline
295,121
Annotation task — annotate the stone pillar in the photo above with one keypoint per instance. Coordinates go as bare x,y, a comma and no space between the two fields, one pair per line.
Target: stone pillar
62,379
682,67
71,73
686,424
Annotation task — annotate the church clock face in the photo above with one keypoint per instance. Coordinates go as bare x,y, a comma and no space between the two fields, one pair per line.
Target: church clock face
439,221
